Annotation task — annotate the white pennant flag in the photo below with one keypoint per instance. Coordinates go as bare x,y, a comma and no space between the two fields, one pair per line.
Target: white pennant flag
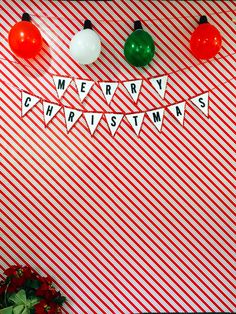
178,110
28,101
202,103
133,87
49,111
157,117
113,121
108,90
71,117
61,84
83,87
159,83
136,121
92,119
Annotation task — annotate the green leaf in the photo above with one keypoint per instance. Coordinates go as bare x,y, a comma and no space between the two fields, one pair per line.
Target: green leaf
6,310
31,302
19,309
19,297
26,311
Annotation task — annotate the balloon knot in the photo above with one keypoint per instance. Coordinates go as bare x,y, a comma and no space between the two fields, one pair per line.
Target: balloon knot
137,25
203,19
87,24
26,17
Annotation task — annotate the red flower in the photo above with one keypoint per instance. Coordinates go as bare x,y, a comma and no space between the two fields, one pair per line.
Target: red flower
18,271
12,270
18,275
44,307
46,290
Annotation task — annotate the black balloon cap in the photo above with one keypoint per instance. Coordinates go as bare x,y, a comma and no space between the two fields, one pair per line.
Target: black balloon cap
26,17
203,19
137,25
87,24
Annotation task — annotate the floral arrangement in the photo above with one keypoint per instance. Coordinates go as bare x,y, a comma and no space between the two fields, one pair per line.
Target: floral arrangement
26,292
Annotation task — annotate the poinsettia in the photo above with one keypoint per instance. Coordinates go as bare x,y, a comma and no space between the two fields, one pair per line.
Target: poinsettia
26,292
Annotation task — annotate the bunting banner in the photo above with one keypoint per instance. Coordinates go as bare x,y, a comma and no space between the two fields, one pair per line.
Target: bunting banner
157,117
92,119
49,111
159,84
201,102
113,120
83,87
133,87
71,117
61,84
178,111
136,121
28,101
108,90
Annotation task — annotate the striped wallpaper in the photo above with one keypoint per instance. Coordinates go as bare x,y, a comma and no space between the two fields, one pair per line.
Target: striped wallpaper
123,224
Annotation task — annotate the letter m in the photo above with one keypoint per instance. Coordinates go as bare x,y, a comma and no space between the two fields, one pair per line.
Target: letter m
61,84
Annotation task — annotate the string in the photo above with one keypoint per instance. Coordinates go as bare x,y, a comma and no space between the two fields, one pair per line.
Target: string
126,113
122,21
120,81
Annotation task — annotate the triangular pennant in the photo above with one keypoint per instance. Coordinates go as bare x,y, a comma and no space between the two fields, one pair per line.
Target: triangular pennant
133,87
136,121
202,103
92,119
159,83
108,89
113,121
178,111
28,101
83,87
61,84
49,111
157,117
71,117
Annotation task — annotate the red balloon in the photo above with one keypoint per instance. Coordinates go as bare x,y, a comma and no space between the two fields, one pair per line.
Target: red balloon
25,39
205,41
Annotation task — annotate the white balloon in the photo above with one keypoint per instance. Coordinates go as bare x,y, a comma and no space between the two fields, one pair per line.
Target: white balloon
85,46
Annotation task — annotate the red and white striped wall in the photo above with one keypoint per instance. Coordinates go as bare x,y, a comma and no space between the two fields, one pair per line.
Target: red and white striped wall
123,224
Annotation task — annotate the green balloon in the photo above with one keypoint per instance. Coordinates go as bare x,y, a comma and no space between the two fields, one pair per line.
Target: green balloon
139,48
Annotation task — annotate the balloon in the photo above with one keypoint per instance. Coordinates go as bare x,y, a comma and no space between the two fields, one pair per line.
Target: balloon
85,46
139,47
206,40
25,39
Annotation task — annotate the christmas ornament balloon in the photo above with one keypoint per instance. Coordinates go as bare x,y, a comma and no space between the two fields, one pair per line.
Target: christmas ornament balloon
25,39
206,40
139,47
85,46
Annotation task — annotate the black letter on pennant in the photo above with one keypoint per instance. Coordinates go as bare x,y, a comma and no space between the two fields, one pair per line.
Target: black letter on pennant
92,119
61,84
135,120
159,83
71,116
178,112
133,88
83,87
108,89
201,102
113,121
26,104
156,117
49,110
